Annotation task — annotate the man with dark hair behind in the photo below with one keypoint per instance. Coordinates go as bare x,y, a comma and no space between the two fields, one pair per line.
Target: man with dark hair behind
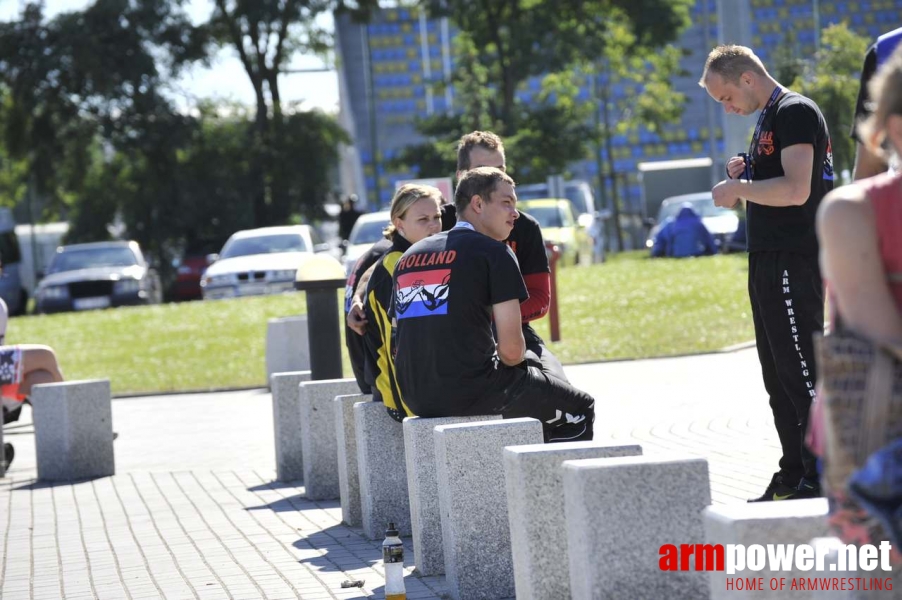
448,289
485,149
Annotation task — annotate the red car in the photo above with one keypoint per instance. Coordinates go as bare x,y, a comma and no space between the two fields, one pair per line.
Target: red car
187,278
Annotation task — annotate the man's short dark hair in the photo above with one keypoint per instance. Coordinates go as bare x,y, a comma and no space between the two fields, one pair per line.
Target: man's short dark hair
482,139
481,181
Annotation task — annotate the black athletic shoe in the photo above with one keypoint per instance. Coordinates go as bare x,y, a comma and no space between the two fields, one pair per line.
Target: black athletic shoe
808,488
778,490
8,454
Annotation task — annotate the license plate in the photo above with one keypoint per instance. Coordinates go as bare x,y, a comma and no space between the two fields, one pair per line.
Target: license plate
252,289
89,303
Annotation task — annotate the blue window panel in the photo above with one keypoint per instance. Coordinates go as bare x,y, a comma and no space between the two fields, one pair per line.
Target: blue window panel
365,156
637,151
370,182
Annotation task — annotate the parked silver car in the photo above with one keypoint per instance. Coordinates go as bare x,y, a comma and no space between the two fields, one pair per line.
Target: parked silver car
97,275
260,261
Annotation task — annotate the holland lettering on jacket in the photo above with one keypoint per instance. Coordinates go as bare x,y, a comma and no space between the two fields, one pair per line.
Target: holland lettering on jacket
429,259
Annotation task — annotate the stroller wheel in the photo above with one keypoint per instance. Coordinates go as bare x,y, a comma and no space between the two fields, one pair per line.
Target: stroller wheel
8,454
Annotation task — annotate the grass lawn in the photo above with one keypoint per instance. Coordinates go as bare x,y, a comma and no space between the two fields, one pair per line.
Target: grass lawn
630,307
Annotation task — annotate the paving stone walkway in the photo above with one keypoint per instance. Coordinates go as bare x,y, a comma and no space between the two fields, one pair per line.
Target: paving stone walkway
194,510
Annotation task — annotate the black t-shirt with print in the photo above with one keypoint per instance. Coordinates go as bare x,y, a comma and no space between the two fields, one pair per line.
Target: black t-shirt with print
443,292
793,119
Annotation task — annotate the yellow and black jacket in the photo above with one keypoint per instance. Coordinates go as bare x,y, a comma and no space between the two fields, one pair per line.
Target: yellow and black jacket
380,360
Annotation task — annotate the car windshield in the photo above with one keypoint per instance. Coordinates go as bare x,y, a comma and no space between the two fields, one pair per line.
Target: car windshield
264,244
547,216
576,194
368,232
703,206
86,258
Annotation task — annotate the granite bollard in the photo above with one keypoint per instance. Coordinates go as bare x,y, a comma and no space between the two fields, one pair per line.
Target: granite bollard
422,487
475,530
383,471
287,348
878,584
346,438
796,522
535,500
320,448
620,511
286,418
73,430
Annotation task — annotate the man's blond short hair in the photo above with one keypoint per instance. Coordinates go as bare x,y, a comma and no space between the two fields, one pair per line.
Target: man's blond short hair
730,62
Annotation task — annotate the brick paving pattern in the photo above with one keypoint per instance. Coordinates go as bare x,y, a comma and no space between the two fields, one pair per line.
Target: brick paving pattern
194,511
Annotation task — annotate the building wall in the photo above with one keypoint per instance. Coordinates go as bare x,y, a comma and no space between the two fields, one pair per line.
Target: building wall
409,56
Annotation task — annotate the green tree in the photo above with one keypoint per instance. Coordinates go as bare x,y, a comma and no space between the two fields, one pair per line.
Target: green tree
831,79
652,103
266,34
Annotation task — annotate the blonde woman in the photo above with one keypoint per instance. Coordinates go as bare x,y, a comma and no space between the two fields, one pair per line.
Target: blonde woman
415,215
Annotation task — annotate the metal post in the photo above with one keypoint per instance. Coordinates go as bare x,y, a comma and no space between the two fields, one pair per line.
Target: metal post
554,253
324,334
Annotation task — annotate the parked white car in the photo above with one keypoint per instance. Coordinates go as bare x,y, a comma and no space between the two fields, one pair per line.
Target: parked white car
261,261
366,232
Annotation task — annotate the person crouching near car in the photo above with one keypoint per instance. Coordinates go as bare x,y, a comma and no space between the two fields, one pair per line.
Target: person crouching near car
415,215
448,289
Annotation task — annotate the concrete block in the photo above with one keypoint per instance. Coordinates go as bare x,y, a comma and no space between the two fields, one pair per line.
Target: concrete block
475,531
535,501
764,523
383,471
320,447
73,430
422,487
875,585
286,418
619,513
287,348
346,436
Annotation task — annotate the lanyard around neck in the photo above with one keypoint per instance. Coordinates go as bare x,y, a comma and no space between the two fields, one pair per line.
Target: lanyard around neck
757,134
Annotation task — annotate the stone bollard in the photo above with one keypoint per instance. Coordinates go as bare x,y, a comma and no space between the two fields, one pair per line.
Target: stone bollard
382,468
287,349
286,417
422,487
73,430
320,448
475,531
535,485
346,438
764,523
620,511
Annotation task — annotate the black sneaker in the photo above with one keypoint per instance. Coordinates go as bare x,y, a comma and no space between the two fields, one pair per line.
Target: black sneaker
8,454
777,490
808,488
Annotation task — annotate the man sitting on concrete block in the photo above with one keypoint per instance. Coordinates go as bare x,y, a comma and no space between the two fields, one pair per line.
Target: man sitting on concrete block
448,289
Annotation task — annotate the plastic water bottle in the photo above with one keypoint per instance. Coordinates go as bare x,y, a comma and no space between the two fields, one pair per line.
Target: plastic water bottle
393,562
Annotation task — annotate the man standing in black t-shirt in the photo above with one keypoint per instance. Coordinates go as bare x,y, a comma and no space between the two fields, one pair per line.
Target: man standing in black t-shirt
784,176
485,149
449,289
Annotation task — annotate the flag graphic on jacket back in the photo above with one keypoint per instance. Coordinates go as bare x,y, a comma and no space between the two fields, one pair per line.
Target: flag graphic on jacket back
422,293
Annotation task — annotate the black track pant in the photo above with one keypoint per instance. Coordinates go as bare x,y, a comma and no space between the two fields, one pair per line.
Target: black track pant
537,355
787,299
567,414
